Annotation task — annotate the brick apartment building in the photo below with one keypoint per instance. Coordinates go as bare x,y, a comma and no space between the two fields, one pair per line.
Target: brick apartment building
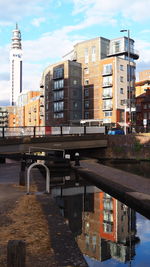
63,93
143,100
101,83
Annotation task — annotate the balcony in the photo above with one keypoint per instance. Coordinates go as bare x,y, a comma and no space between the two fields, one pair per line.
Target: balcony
107,73
106,95
109,107
119,52
107,84
41,105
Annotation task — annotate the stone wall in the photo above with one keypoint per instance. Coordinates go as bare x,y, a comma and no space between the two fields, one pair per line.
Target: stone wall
128,147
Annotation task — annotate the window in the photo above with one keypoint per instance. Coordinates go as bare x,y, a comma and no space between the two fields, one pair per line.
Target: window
107,104
108,204
108,228
58,84
75,104
108,216
94,243
86,105
107,81
87,241
121,79
58,115
145,115
86,82
107,69
108,114
86,56
121,91
75,82
93,53
58,106
86,115
86,92
121,67
107,92
59,95
86,70
75,115
58,73
117,46
145,106
47,106
122,102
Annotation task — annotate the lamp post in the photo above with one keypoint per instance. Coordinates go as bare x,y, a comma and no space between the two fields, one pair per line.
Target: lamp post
129,76
83,71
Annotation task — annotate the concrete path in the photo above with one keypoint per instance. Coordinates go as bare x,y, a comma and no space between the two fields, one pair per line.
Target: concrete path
129,188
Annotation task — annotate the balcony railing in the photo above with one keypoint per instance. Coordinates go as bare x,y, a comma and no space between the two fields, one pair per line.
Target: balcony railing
108,72
107,84
107,95
119,51
109,107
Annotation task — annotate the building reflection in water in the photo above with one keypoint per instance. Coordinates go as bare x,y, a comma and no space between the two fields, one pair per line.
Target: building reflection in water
104,227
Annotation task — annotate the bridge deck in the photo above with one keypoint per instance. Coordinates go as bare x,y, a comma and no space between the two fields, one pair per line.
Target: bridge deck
133,190
53,142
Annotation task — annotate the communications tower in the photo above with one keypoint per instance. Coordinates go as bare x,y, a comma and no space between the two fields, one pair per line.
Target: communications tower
15,66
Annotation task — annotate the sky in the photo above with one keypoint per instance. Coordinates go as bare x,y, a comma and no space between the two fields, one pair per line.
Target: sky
50,28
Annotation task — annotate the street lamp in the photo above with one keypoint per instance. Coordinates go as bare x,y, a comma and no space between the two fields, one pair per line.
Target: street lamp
83,71
129,74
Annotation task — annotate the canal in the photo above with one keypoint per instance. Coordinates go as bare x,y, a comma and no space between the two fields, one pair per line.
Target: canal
108,232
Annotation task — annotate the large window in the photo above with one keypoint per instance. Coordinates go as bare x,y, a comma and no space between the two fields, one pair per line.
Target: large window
58,73
93,53
116,46
107,104
108,114
59,95
86,92
107,69
58,115
87,104
108,228
59,84
86,115
107,92
58,106
86,55
107,81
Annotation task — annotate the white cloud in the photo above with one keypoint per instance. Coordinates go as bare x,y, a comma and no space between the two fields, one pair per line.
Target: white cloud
136,10
5,91
37,21
16,9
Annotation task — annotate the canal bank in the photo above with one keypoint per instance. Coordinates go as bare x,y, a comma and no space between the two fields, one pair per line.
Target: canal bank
131,146
35,219
131,189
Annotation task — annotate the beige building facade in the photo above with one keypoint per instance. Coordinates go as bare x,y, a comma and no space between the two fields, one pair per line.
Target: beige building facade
108,78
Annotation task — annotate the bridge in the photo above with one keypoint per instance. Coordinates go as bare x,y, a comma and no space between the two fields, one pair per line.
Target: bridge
67,142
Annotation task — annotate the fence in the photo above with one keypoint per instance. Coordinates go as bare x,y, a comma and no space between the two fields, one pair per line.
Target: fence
38,131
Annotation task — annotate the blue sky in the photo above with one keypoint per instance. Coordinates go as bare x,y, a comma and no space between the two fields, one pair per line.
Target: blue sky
51,28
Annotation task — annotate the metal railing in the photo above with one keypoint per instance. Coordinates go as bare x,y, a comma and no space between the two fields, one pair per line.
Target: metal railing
39,131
